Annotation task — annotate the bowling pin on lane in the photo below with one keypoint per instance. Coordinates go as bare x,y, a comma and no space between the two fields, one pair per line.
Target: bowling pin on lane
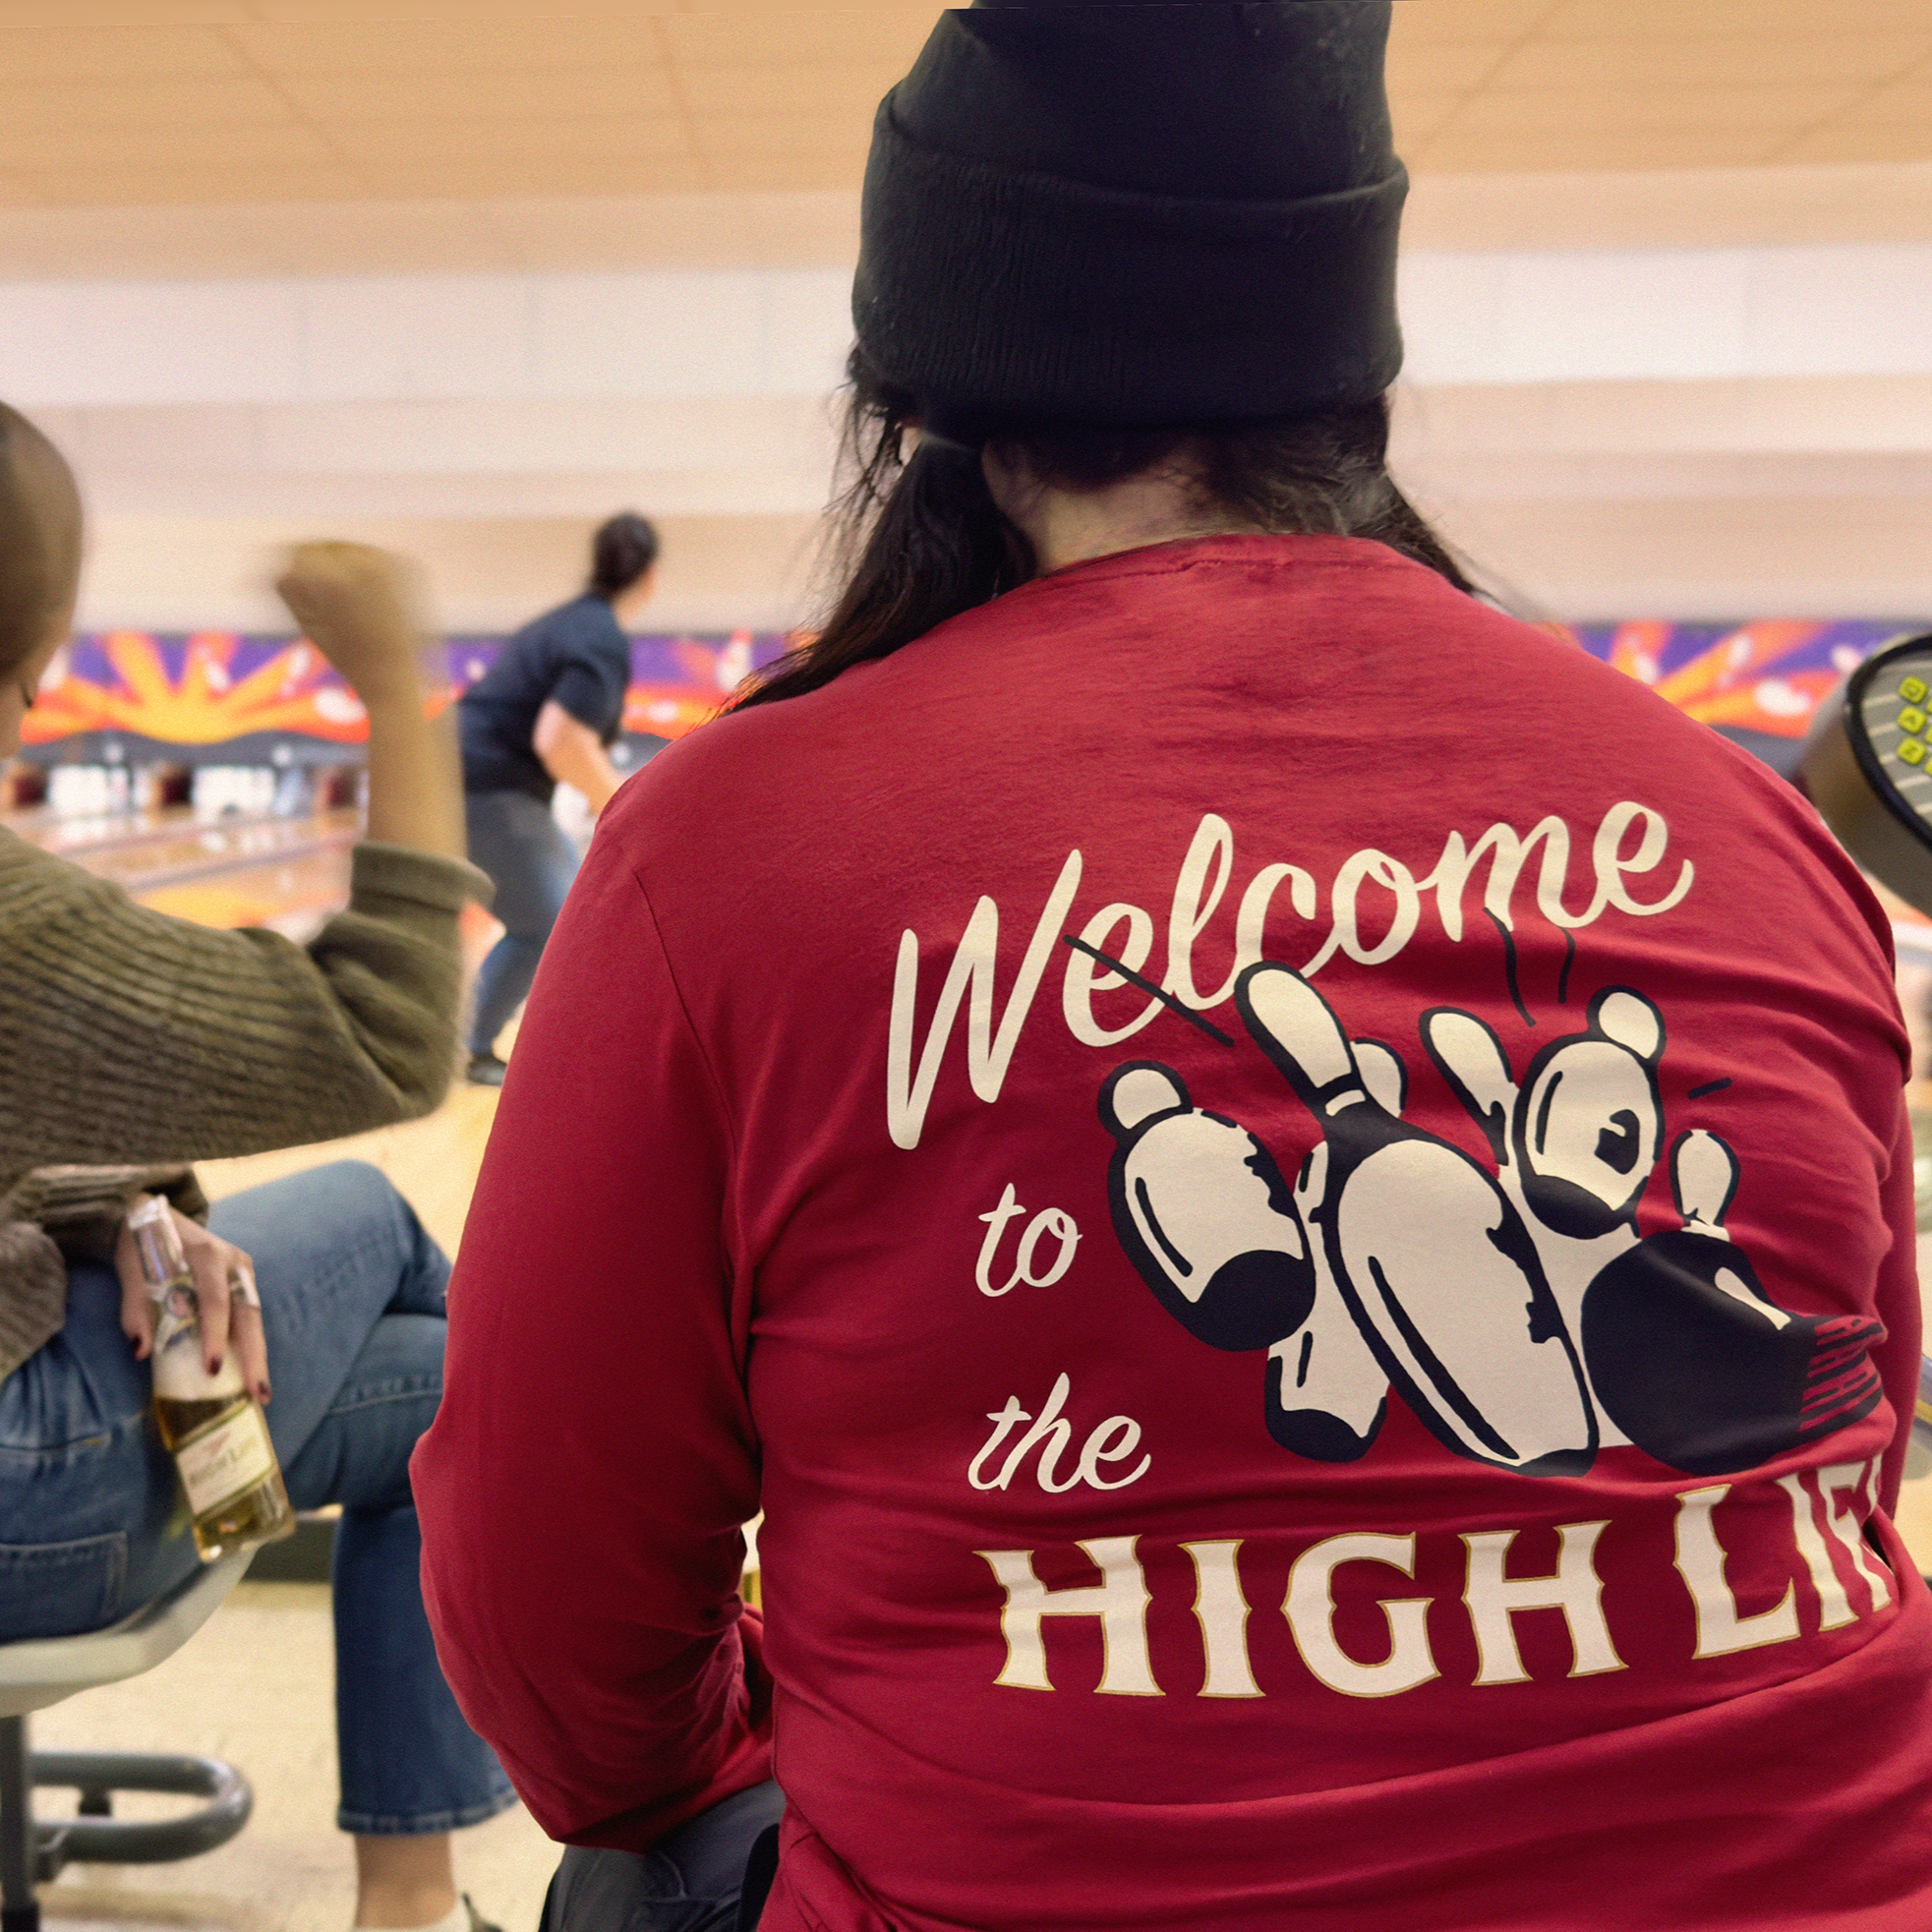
1203,1213
1430,1258
1694,1361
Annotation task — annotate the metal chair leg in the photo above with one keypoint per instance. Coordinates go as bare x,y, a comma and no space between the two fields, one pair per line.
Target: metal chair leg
33,1854
18,1911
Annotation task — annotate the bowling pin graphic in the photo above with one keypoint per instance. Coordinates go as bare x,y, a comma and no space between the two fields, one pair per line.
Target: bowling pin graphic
1429,1255
1574,1146
1692,1360
1203,1212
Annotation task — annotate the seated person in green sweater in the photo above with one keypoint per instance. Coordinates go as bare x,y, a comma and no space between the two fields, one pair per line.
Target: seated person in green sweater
131,1043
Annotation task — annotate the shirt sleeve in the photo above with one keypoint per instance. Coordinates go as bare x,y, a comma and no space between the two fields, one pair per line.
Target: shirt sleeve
583,1487
592,683
128,1036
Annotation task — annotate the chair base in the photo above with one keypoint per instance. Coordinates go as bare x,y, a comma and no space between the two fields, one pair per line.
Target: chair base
37,1850
95,1837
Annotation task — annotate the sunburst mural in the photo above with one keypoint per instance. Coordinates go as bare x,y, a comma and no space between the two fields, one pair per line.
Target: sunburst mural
189,695
183,695
1764,677
205,689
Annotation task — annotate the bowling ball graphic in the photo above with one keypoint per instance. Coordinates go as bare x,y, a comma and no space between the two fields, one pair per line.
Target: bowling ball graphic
1694,1362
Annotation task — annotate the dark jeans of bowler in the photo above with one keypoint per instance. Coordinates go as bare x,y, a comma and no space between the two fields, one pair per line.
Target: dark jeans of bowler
692,1880
514,838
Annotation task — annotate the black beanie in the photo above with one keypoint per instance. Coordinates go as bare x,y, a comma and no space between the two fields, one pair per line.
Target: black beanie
1136,214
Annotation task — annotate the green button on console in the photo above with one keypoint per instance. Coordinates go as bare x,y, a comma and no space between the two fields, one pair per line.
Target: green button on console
1912,751
1914,690
1912,720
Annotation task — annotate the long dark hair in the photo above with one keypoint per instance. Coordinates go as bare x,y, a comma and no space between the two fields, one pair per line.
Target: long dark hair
920,539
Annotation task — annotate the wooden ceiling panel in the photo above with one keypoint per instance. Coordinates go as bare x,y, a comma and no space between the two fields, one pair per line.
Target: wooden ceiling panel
345,99
774,97
1420,117
51,53
469,12
1426,22
105,105
751,173
1443,66
528,44
538,140
1657,208
1844,145
112,180
1617,111
820,88
124,13
151,149
1707,64
753,136
1907,104
1677,20
1505,151
879,40
581,173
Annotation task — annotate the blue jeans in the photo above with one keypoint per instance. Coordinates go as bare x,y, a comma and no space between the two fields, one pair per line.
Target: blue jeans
514,838
689,1881
352,1307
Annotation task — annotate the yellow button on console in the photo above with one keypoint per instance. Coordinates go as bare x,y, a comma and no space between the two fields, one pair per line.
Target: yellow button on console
1914,690
1912,720
1912,751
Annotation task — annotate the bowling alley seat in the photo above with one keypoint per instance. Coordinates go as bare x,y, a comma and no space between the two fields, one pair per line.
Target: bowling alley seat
38,1671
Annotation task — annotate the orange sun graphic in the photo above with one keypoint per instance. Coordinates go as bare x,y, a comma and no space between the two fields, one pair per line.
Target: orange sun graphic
294,692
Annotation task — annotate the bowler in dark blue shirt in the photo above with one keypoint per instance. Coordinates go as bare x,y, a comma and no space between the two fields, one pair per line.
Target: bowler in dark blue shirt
546,713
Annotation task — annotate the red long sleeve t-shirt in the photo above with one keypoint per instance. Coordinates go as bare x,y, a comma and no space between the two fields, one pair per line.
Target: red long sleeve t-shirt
1294,1201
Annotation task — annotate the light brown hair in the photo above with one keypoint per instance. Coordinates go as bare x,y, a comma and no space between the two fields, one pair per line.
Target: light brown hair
39,537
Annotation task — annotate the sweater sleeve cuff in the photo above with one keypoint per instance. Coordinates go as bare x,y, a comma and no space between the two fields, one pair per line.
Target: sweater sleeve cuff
383,875
81,1209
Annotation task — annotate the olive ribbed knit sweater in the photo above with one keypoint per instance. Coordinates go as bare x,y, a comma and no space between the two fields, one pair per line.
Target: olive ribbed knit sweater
131,1038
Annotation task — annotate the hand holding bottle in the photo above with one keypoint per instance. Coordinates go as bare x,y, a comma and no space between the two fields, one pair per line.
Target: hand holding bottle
208,1416
224,1287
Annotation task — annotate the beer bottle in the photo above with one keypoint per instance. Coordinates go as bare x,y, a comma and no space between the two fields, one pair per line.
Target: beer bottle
213,1426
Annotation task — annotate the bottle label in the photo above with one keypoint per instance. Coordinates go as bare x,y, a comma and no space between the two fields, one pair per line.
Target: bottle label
225,1459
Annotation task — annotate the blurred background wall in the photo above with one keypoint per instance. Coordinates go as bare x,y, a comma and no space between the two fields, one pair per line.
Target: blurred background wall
463,278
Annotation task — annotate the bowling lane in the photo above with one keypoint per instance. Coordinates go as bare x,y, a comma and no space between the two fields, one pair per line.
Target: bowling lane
291,895
284,872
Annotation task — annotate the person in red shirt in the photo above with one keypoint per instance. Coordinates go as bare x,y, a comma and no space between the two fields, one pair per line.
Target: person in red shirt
1292,1197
